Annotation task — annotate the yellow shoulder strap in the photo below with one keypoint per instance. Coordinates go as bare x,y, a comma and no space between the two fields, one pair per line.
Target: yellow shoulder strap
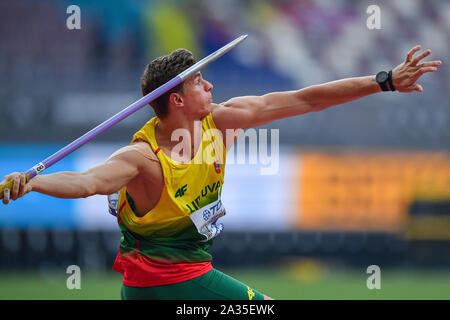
147,133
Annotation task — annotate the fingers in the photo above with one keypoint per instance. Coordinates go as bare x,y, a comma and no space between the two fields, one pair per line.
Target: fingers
417,75
6,192
417,87
22,185
412,52
6,196
436,63
420,57
15,188
422,71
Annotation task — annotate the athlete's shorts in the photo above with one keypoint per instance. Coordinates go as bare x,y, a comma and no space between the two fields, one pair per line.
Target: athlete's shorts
213,285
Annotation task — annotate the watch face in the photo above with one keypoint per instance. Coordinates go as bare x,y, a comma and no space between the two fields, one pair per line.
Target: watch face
382,77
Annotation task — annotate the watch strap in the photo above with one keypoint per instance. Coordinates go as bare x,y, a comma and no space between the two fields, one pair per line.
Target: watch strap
391,84
383,86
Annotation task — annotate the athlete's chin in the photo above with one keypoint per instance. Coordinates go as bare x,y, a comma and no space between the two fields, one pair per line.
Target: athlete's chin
206,110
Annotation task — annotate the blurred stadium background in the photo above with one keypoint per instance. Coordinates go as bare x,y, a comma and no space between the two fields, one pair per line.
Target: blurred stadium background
366,183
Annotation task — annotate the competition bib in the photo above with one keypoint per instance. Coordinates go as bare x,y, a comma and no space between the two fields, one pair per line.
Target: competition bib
205,219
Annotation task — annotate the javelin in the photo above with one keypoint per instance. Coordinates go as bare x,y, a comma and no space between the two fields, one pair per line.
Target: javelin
139,104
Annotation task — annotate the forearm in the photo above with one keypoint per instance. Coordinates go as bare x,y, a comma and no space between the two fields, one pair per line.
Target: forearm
65,184
333,93
252,111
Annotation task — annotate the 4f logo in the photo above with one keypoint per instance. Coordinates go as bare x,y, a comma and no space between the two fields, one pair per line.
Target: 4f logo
181,191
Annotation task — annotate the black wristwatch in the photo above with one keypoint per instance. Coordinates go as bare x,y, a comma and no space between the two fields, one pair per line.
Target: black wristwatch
391,84
383,78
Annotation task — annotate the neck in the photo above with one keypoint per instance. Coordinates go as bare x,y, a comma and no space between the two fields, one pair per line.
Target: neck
188,131
167,126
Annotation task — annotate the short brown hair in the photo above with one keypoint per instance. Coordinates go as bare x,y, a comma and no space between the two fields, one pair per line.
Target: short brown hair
161,70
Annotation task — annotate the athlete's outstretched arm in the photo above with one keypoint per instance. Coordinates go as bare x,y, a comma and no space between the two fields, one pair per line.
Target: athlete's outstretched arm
107,178
252,111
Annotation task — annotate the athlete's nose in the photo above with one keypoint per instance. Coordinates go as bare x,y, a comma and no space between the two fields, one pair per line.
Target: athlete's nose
208,85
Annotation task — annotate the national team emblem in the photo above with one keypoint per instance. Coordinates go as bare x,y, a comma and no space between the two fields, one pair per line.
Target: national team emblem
217,167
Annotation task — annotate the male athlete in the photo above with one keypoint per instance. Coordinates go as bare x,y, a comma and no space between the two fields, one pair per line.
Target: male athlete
169,200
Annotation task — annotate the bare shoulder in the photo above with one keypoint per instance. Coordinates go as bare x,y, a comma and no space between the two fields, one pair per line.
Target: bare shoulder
138,151
216,113
144,148
217,110
238,112
215,107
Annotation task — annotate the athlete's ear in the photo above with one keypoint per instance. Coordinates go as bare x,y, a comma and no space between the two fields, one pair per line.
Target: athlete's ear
176,99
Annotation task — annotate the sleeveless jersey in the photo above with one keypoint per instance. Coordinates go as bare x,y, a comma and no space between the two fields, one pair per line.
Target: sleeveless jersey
169,243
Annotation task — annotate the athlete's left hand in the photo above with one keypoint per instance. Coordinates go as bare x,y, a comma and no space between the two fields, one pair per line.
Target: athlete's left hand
405,75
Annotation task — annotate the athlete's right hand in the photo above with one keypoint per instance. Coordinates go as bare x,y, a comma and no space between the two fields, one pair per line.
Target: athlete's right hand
19,187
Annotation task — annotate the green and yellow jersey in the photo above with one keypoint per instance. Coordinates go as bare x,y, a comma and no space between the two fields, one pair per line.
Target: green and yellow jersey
169,243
